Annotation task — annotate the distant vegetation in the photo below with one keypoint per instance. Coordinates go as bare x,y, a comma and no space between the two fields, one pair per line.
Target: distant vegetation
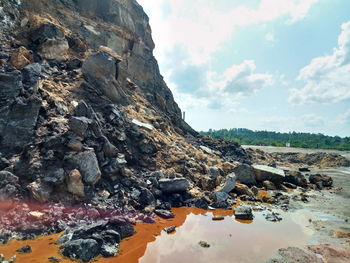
268,138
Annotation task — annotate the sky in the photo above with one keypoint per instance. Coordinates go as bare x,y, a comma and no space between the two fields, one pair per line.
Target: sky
277,65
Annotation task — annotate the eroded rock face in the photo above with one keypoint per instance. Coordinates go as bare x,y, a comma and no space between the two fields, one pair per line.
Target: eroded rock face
101,71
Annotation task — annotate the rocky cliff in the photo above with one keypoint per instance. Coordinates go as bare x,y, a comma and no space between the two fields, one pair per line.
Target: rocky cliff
86,117
90,134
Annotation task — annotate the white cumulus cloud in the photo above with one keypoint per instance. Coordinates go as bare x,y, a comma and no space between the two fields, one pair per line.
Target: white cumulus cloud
225,90
326,79
203,26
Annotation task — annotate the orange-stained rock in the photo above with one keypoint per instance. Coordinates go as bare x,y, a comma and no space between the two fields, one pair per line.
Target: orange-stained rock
21,58
75,184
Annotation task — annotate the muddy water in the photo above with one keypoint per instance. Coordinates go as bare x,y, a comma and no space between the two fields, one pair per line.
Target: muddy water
230,240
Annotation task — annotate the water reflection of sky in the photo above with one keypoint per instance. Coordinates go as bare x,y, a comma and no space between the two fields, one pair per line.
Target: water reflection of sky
230,241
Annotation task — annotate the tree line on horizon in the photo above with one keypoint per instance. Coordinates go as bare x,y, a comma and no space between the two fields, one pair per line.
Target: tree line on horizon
270,138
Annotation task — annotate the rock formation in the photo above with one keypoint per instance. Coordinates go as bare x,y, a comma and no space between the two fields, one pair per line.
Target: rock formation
86,119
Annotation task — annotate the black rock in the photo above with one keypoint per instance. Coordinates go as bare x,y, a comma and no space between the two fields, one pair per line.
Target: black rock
79,125
55,177
81,249
31,75
164,213
10,86
290,185
109,250
173,185
326,180
25,249
201,203
54,259
169,229
296,178
17,125
146,197
243,212
125,230
44,32
273,217
74,64
304,169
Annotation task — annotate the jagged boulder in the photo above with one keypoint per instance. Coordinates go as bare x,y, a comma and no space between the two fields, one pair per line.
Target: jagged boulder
325,180
54,49
296,178
10,87
18,115
269,185
75,184
101,71
221,196
100,238
245,174
87,164
82,249
173,185
54,177
243,212
229,183
264,172
243,189
79,125
8,185
20,122
31,75
40,191
50,42
21,58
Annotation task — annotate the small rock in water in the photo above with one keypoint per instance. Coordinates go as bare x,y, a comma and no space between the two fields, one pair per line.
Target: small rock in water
217,218
25,249
54,259
164,213
273,217
243,212
203,244
170,229
304,169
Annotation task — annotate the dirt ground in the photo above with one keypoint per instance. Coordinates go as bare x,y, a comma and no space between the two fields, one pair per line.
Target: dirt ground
328,214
